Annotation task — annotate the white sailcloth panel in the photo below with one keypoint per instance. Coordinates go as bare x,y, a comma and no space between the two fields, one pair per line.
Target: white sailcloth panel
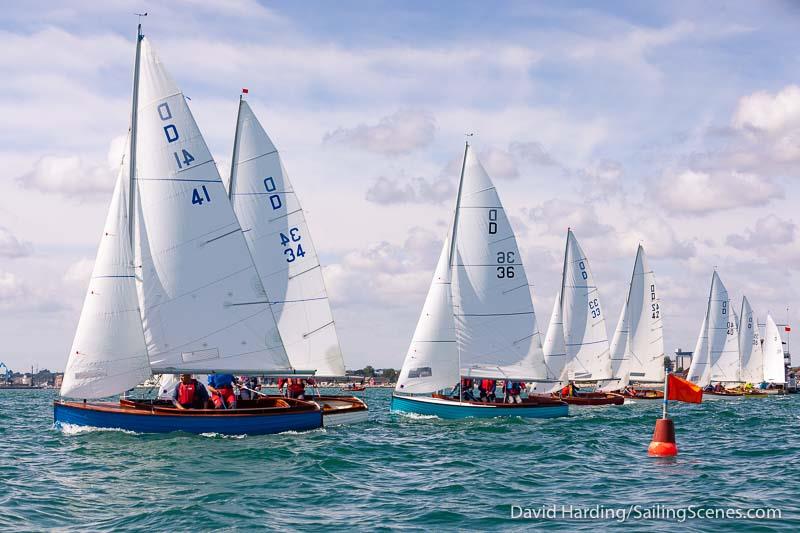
585,336
723,334
203,305
491,298
619,343
774,370
553,348
431,363
280,241
750,345
699,369
644,359
108,355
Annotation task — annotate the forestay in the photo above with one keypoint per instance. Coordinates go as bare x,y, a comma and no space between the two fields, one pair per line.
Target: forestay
276,231
431,363
774,369
108,355
750,345
723,334
495,320
203,305
585,337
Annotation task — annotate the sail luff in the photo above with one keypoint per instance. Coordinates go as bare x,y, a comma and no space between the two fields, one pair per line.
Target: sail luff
235,157
134,133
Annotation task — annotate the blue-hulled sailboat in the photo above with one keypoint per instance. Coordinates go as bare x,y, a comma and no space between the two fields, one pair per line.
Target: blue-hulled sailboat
478,320
174,287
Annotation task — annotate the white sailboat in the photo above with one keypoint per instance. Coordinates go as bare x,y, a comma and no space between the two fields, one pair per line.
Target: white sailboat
582,337
174,287
279,239
478,319
723,334
752,356
637,350
774,367
700,367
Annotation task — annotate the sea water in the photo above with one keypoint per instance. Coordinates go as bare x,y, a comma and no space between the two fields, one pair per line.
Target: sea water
588,471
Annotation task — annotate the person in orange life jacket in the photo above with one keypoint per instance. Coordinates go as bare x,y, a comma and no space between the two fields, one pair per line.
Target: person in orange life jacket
190,394
513,391
221,388
566,390
296,388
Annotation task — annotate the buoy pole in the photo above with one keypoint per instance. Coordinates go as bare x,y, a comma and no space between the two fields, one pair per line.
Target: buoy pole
663,442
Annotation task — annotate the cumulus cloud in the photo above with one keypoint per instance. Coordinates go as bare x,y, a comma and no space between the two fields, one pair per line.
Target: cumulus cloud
767,112
499,164
557,215
79,272
657,236
16,295
74,176
767,232
699,193
387,191
11,247
396,134
532,152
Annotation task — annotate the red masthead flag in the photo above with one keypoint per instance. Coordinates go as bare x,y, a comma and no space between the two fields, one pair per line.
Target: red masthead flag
245,91
787,328
683,391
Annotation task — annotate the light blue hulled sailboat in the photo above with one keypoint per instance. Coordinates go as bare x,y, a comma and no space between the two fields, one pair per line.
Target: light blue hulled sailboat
478,320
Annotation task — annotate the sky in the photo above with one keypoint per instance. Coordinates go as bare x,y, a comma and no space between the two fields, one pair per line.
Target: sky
674,124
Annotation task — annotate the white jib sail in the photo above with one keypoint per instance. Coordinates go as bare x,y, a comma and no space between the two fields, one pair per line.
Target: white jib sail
553,347
203,304
774,369
618,344
723,334
276,231
585,337
495,320
108,355
700,369
644,349
750,345
431,363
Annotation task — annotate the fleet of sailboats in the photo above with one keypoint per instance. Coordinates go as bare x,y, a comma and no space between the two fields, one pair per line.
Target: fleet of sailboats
192,276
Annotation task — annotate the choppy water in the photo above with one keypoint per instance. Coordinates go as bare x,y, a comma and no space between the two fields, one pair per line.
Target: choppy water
402,472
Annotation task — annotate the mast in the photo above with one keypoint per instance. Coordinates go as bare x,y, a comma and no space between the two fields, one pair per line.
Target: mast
235,156
453,252
134,128
561,300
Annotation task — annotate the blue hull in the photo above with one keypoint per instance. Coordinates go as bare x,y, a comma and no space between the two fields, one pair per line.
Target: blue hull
455,410
130,420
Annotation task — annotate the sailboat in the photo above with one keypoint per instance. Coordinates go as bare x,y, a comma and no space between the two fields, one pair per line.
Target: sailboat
576,347
774,366
478,320
174,288
717,354
279,239
750,349
637,349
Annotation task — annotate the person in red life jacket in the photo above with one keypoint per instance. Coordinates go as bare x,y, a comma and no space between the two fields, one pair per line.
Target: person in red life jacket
281,384
566,391
221,388
487,390
466,390
296,388
190,394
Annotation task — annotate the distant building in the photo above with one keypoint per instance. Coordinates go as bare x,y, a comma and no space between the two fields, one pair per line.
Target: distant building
682,360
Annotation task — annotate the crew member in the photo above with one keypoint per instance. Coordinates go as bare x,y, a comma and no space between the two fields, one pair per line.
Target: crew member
296,388
221,388
190,394
466,389
513,391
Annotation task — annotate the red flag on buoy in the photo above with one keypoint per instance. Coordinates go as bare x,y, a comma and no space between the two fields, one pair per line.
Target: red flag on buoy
683,391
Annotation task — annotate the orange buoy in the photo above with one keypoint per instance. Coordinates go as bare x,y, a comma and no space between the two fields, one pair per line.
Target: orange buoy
663,443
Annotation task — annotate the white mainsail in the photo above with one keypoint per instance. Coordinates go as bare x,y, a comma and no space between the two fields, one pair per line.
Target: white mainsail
495,320
750,345
619,343
723,334
202,303
431,363
700,368
276,231
643,359
585,338
774,369
108,355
